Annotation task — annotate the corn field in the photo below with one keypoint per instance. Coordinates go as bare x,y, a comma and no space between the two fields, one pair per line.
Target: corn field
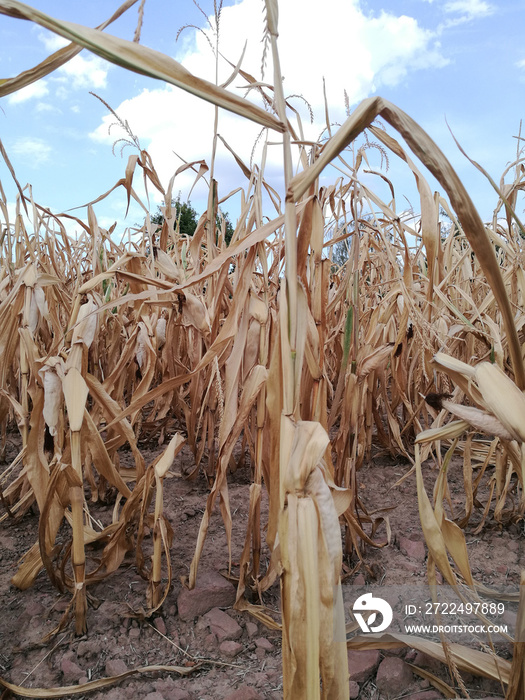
414,343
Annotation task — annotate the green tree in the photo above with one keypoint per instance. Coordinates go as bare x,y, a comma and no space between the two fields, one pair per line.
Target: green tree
188,219
185,214
340,253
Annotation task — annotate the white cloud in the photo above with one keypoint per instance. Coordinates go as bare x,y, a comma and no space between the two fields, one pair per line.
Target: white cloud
35,90
81,72
462,11
84,73
400,45
348,48
33,151
52,42
472,9
46,107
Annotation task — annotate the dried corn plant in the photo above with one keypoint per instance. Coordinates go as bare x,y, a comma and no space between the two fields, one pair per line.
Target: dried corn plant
267,340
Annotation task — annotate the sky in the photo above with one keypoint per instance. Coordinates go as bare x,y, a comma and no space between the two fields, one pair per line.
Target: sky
452,65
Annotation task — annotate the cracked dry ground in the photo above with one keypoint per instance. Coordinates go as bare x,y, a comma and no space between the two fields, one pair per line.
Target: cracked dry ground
236,657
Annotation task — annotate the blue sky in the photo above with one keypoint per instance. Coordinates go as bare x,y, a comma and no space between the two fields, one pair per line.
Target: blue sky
461,61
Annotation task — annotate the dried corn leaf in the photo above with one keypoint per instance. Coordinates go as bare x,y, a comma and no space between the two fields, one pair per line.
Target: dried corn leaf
95,685
143,60
57,59
466,659
431,528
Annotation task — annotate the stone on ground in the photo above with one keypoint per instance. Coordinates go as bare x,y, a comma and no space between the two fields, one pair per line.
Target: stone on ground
230,649
114,667
211,591
222,625
72,671
393,677
415,549
354,690
362,664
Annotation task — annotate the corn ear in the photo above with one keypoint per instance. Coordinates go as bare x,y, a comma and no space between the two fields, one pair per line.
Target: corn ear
75,393
503,398
480,420
52,374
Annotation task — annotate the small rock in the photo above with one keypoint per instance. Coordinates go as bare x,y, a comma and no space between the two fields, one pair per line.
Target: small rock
359,580
134,633
429,662
393,677
91,647
394,652
222,625
230,648
274,674
154,696
173,633
83,680
410,566
411,655
210,642
114,667
160,625
244,692
251,629
201,625
259,679
211,591
72,671
362,664
84,648
354,690
7,543
415,549
263,643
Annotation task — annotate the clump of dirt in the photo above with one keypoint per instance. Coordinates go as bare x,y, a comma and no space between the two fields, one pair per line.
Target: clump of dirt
226,653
